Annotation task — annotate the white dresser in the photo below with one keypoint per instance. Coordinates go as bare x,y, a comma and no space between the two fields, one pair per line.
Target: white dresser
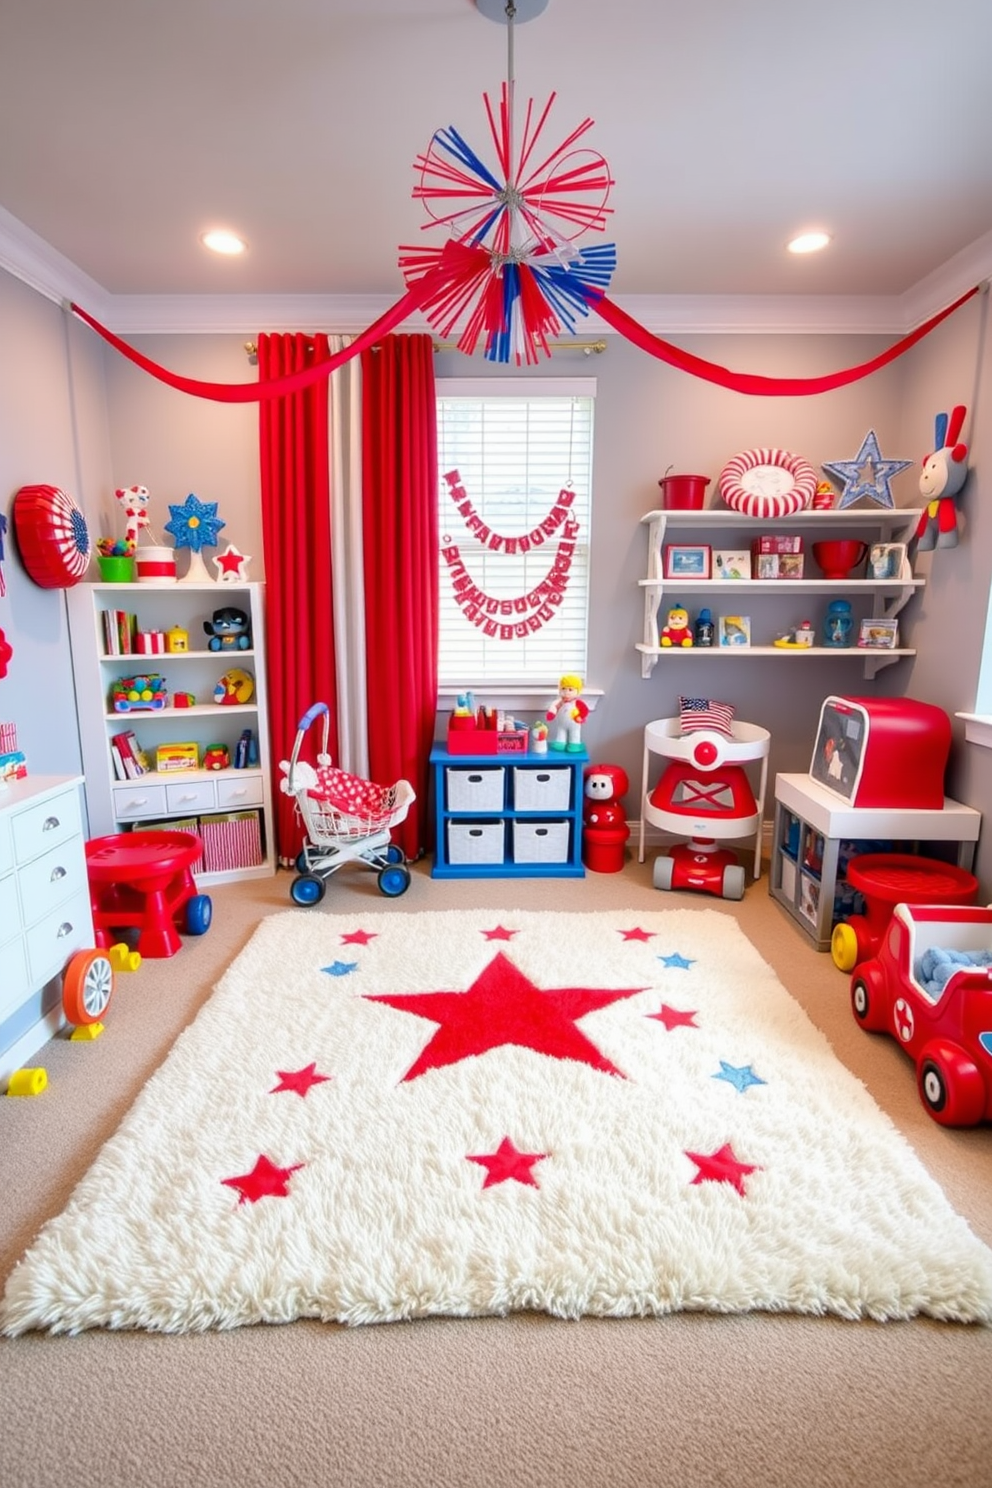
44,910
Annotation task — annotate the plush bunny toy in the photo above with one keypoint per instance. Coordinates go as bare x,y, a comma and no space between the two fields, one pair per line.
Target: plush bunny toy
944,473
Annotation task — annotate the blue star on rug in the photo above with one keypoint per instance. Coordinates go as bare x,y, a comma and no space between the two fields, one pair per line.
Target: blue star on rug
867,476
340,968
676,960
740,1076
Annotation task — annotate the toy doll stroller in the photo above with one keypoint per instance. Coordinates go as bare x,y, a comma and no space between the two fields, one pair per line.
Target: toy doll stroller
346,819
705,794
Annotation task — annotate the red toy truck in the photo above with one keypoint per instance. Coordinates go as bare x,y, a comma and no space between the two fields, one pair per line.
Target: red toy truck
945,1027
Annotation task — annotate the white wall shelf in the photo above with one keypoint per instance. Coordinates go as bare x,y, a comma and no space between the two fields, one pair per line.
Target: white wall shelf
887,596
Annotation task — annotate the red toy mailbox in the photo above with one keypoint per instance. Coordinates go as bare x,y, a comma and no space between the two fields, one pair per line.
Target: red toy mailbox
889,753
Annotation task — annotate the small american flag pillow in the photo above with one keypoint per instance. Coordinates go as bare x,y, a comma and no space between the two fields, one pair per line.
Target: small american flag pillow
697,713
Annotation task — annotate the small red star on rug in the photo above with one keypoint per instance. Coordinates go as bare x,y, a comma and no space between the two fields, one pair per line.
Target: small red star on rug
500,933
721,1167
299,1080
674,1017
502,1006
265,1181
506,1162
636,934
358,937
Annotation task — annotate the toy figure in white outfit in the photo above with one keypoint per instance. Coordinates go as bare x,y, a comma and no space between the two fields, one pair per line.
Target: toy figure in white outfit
567,714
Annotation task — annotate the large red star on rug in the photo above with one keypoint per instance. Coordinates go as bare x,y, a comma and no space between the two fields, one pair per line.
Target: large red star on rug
265,1181
721,1167
506,1162
502,1006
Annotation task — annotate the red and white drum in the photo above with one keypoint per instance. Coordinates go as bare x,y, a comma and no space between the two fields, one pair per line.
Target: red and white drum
52,536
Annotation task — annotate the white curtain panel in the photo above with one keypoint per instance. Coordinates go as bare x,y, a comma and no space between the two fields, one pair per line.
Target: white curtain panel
344,390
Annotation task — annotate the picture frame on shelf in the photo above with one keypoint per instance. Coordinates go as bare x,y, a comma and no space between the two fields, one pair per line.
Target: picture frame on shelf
887,560
879,634
731,564
687,561
734,631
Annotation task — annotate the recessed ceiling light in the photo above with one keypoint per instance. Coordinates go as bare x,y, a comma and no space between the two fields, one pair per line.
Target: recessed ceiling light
810,242
219,240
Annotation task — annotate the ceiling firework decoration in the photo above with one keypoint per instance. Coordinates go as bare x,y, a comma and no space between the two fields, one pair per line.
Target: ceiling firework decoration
511,265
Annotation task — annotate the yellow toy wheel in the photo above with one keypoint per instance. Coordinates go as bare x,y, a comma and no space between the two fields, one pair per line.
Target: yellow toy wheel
87,987
844,947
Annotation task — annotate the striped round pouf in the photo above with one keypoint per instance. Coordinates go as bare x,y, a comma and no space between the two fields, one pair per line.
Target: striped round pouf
768,483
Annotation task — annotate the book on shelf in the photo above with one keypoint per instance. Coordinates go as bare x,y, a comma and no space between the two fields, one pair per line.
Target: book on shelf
119,632
133,758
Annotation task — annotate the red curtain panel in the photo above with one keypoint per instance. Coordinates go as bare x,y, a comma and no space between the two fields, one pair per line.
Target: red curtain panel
296,531
400,524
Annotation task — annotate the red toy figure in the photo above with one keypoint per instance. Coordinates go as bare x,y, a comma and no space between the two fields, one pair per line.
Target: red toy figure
605,829
677,631
944,473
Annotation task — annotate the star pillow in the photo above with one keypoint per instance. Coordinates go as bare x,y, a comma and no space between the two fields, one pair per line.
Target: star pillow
703,713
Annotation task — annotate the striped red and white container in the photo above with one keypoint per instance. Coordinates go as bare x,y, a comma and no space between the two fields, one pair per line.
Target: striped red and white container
231,842
155,565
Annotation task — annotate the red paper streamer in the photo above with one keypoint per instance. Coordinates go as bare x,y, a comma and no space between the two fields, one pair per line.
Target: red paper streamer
432,286
745,382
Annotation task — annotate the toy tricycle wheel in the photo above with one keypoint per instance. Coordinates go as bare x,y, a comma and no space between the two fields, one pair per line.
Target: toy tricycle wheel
87,987
394,880
664,870
307,889
734,881
199,913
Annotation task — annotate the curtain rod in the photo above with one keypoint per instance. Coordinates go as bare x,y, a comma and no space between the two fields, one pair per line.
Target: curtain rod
587,347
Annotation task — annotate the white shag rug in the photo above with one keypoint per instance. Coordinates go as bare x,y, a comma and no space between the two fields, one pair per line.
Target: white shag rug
384,1116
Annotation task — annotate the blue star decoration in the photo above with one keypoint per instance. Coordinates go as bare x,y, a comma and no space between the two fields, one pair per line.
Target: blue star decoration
675,960
340,968
195,524
740,1076
867,476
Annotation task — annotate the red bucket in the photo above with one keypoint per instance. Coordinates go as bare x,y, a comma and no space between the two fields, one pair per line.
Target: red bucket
683,492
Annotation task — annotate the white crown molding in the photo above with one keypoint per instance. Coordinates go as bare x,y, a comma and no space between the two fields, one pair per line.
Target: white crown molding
29,258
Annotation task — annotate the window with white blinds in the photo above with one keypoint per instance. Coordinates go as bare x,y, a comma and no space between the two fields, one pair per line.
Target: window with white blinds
515,488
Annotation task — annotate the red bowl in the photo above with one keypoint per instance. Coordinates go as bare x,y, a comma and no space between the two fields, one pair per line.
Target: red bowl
839,557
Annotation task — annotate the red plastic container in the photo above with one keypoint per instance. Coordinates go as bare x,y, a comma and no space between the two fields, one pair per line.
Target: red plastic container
683,492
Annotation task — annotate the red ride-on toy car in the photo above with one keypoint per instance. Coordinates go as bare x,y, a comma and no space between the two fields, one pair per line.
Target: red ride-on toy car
930,988
884,880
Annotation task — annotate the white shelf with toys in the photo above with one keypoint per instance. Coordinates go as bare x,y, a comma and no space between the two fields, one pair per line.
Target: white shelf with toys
230,802
880,598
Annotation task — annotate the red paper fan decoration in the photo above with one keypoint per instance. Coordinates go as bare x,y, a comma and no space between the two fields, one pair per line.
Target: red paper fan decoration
52,536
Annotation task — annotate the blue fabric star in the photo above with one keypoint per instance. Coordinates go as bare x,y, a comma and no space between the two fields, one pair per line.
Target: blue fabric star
675,960
195,524
739,1076
340,968
867,476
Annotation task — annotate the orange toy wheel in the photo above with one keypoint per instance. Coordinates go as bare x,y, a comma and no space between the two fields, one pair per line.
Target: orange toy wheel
87,987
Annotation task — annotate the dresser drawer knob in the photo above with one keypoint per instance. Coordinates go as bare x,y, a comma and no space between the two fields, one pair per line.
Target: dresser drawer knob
64,929
57,873
51,823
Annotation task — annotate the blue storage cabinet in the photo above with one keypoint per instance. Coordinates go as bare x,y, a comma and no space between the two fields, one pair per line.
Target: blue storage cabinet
507,815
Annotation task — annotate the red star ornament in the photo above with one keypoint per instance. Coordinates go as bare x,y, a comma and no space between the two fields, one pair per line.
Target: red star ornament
502,1006
231,564
674,1017
265,1181
506,1162
721,1167
358,937
299,1080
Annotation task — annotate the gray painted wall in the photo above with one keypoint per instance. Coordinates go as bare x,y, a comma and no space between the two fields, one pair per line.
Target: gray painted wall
649,418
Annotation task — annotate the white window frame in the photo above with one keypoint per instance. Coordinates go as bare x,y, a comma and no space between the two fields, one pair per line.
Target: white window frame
541,683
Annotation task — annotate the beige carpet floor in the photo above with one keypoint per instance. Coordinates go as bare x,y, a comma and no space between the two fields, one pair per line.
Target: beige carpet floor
688,1400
